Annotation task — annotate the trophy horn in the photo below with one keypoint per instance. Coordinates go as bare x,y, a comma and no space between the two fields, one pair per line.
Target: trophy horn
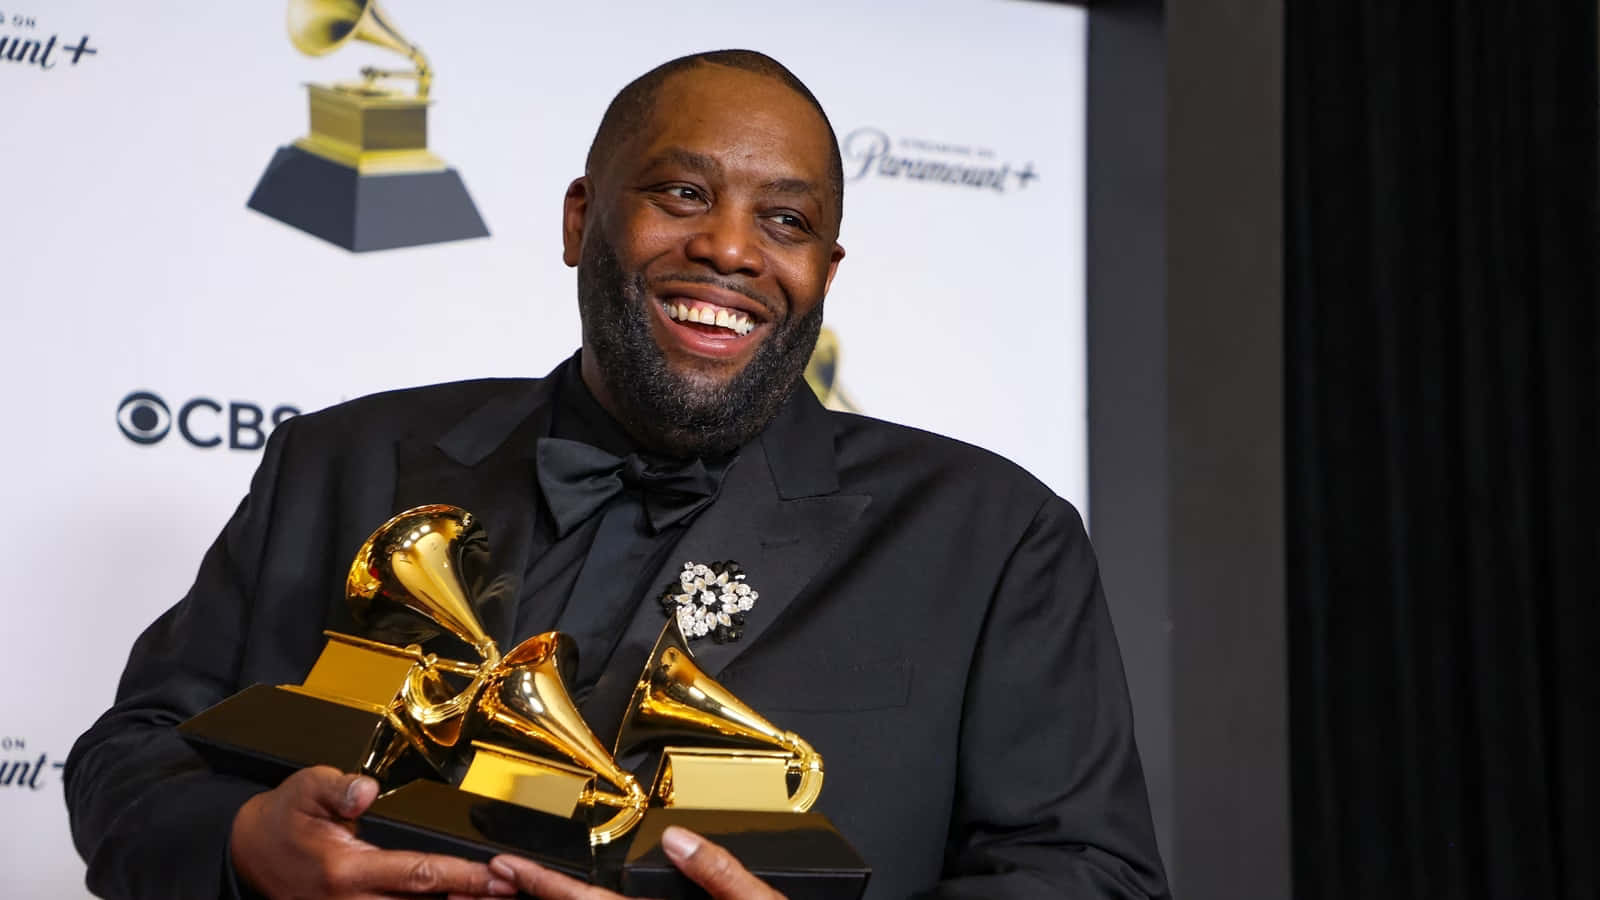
414,562
318,27
527,698
676,701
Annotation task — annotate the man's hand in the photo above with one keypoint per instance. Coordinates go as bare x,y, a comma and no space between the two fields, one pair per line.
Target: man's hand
298,840
706,864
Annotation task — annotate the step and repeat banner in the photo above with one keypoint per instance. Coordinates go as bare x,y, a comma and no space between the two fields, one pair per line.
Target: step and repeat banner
157,328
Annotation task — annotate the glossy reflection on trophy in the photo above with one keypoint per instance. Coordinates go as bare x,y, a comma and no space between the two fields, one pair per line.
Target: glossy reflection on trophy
716,752
727,772
363,177
488,753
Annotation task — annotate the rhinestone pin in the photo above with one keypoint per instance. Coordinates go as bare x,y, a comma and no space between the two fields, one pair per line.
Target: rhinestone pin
709,600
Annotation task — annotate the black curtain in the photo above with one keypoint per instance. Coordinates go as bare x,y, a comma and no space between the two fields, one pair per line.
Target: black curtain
1441,391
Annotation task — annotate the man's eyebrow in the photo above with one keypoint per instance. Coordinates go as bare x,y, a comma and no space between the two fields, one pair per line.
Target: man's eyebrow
698,162
789,186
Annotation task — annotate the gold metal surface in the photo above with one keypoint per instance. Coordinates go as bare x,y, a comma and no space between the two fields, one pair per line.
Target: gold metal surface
526,699
530,781
413,562
370,676
344,699
676,701
369,671
707,778
398,733
531,745
319,27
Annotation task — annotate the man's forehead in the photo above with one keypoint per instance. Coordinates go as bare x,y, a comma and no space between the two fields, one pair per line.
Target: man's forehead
710,105
709,81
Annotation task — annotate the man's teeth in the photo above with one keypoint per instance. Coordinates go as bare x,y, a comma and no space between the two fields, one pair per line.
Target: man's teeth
731,319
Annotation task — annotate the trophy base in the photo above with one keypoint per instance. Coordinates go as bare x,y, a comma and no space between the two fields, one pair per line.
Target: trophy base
247,734
434,817
364,212
800,855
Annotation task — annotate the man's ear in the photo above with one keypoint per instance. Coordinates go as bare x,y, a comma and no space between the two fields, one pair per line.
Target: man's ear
833,265
574,217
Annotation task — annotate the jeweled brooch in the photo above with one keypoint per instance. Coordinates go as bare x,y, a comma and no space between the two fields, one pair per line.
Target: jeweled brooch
710,600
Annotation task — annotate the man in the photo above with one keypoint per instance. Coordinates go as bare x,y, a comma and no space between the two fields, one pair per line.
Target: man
929,616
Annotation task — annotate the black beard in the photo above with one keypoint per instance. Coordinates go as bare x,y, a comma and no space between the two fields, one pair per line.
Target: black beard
681,414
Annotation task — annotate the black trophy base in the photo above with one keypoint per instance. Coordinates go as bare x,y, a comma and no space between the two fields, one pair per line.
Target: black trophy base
800,854
434,817
265,733
365,212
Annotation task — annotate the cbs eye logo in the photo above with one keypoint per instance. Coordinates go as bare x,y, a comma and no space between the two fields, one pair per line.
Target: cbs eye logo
145,418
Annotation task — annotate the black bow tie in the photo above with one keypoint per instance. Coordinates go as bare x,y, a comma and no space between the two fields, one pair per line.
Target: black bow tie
578,480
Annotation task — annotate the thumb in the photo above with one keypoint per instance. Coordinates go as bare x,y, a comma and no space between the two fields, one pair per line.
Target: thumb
329,793
712,867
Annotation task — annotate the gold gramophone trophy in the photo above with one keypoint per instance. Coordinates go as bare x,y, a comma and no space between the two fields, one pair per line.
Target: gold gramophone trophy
486,756
364,178
365,703
476,758
728,773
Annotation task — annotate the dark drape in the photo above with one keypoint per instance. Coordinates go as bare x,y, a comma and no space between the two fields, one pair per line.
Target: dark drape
1441,391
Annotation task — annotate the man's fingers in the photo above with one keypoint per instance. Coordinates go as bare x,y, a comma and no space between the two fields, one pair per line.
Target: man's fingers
408,872
540,882
329,793
712,867
357,795
705,863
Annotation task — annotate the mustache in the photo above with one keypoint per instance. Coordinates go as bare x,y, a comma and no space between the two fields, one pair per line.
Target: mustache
774,310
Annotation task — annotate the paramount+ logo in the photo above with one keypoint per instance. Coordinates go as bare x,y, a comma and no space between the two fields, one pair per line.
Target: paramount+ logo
144,418
21,770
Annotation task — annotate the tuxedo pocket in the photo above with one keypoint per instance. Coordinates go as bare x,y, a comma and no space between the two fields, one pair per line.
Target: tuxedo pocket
883,684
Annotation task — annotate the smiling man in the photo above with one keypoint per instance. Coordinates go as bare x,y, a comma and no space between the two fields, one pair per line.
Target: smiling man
704,244
929,615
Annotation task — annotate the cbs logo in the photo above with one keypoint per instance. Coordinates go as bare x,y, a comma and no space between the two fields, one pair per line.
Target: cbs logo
145,418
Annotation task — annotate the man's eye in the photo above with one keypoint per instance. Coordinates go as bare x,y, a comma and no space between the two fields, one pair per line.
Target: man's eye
789,220
685,192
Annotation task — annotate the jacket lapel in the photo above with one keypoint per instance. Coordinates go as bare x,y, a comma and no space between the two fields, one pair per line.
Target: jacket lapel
779,515
484,464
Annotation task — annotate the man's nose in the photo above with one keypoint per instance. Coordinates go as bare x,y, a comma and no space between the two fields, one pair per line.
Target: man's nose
728,242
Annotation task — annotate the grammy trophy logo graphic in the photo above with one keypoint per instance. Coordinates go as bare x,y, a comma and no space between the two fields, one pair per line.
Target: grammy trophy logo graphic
364,178
822,374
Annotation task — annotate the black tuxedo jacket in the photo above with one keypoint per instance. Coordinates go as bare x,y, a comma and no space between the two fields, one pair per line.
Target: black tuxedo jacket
930,619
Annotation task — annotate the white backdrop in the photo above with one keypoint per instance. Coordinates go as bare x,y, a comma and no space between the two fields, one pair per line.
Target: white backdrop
131,264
